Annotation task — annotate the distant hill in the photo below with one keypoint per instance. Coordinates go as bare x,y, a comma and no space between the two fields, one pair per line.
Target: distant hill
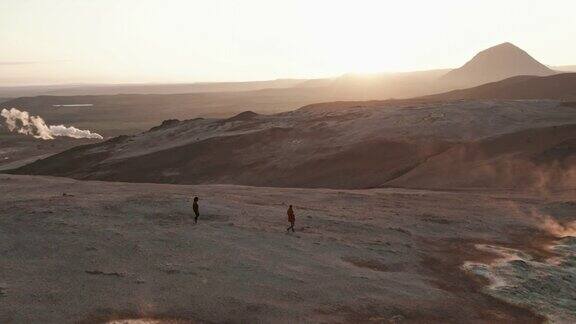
493,64
559,87
112,115
386,85
565,68
348,86
145,88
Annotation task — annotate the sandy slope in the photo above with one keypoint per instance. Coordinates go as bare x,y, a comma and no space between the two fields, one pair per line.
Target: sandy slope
559,87
17,150
538,158
107,250
339,145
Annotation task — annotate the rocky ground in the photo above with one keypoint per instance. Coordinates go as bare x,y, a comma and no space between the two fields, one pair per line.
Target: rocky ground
97,252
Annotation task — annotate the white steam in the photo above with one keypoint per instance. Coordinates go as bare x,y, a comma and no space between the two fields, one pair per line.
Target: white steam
557,229
23,123
61,130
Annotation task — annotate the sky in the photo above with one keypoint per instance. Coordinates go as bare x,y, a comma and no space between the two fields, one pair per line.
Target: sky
118,41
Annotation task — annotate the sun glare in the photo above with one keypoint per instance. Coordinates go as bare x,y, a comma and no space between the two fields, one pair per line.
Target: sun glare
225,40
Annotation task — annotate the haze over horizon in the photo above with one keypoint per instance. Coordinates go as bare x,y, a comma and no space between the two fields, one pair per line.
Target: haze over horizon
109,41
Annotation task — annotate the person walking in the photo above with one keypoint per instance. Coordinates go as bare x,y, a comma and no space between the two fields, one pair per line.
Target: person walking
196,210
291,219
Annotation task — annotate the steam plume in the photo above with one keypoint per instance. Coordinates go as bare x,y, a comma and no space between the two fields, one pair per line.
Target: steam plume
23,123
557,229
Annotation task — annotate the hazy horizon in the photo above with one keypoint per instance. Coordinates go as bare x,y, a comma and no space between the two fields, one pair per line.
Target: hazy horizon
150,41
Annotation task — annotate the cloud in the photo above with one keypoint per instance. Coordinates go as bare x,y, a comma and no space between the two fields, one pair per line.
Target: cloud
9,63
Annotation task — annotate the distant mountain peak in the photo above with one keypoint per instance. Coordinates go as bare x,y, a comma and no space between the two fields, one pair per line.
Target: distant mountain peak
494,64
499,49
504,45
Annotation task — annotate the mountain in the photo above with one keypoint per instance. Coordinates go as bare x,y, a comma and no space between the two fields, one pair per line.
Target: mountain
330,145
558,87
494,64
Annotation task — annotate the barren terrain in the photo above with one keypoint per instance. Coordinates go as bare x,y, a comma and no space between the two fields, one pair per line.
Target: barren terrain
17,150
352,145
76,251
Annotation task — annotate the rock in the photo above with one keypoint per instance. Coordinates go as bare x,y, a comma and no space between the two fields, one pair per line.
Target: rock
396,319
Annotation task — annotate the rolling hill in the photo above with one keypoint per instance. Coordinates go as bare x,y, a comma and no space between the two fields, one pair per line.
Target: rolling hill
339,145
538,159
556,87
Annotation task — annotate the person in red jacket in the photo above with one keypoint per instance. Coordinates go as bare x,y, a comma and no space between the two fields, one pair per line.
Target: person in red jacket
291,219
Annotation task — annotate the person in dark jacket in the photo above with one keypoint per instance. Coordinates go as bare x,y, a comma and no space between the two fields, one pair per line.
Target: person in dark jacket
196,210
291,218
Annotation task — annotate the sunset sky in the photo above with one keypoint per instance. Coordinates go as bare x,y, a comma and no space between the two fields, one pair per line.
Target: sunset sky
111,41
